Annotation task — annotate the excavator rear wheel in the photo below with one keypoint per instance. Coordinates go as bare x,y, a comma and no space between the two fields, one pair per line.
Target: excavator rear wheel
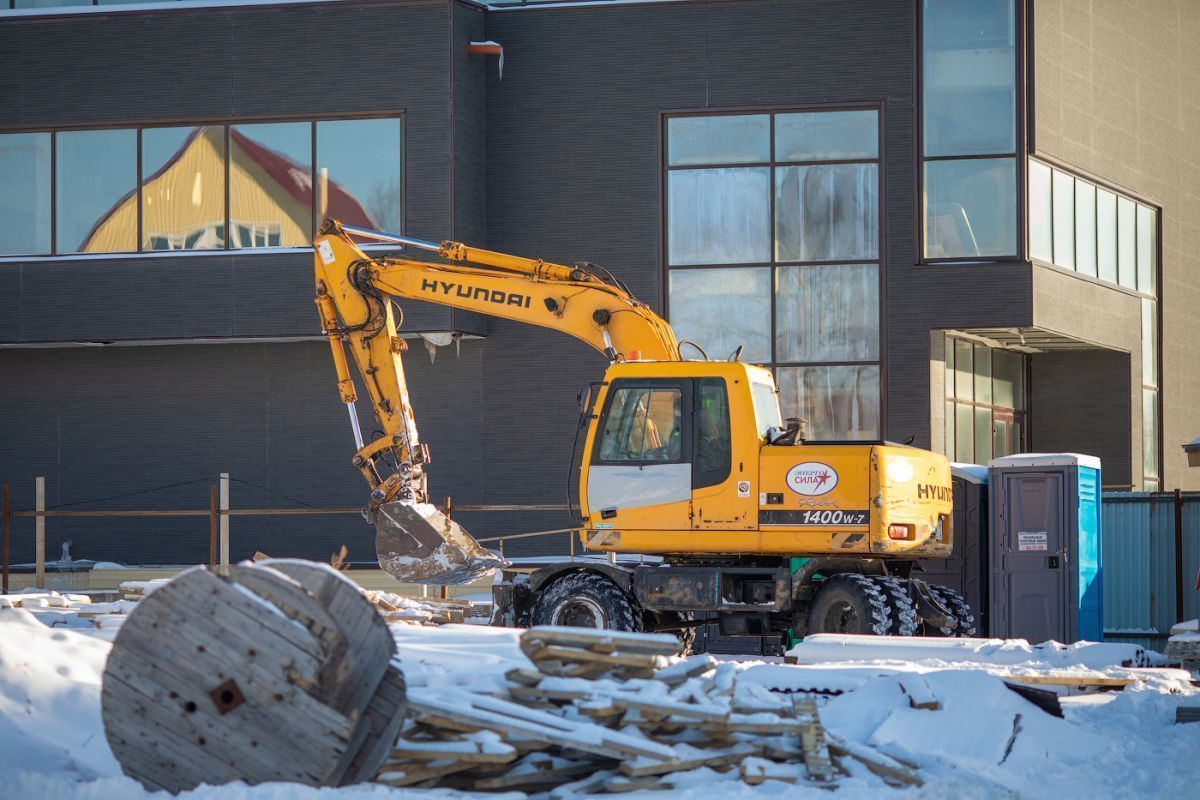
587,600
859,604
957,605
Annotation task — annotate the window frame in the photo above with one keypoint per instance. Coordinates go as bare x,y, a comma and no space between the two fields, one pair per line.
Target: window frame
686,413
1022,416
140,125
881,162
1020,139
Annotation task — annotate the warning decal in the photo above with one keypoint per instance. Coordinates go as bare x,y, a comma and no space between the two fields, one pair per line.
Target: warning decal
1032,540
743,488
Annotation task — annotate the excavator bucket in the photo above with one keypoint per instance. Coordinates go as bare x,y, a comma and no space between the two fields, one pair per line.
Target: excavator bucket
417,543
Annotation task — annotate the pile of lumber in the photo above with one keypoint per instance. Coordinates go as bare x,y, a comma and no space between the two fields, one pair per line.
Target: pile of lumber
136,590
420,610
608,712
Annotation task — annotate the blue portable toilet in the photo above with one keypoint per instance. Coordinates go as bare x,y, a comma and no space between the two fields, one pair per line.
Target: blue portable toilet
1045,547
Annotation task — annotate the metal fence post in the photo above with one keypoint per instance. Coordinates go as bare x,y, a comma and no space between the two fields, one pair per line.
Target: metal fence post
224,564
1178,555
39,537
6,511
213,525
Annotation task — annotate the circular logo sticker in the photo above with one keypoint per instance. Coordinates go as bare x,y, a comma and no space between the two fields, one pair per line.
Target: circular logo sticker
812,478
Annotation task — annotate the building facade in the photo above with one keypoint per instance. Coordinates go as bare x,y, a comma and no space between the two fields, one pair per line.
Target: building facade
967,223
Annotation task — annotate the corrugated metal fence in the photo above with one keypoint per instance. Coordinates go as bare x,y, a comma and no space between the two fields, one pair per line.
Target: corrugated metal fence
1151,553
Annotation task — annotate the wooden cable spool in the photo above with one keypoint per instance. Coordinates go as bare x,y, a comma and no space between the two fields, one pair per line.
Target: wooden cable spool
280,671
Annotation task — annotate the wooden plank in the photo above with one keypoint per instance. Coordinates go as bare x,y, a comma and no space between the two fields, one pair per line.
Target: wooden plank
535,778
1092,681
723,757
885,767
651,643
918,691
412,774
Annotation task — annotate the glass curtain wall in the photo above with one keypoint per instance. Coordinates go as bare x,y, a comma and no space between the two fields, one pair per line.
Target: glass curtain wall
985,402
772,225
969,129
197,187
1079,225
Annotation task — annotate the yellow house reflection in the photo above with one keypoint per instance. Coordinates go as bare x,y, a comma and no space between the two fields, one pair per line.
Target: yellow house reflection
270,200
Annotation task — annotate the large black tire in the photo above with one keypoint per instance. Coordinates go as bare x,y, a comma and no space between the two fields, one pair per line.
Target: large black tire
904,610
587,600
957,606
685,634
858,604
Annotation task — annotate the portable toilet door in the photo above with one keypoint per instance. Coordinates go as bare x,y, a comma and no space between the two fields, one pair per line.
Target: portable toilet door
1045,547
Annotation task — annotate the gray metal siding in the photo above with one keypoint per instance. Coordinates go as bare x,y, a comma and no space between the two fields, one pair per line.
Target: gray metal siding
1139,565
181,65
118,421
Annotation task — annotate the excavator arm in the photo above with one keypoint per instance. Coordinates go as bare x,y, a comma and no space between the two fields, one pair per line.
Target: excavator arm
415,541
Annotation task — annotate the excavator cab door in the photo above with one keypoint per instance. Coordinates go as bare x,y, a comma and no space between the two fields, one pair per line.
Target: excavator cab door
640,475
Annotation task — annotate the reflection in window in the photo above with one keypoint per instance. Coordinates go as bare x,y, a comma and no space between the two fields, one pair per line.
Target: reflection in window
839,402
1064,219
969,77
95,191
1106,235
1085,227
827,313
824,335
270,183
183,188
970,208
827,213
720,309
719,216
1146,244
359,172
985,401
1041,234
827,136
1126,243
723,139
25,198
1150,437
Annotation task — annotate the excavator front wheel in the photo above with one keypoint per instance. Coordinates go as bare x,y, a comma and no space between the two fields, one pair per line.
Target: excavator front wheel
587,600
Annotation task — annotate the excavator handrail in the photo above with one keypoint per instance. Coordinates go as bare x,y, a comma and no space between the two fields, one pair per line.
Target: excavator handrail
395,238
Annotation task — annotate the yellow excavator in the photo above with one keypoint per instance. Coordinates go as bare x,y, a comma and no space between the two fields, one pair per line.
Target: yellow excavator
688,460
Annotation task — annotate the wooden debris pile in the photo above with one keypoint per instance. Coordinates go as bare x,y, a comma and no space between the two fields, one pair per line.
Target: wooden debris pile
609,712
420,610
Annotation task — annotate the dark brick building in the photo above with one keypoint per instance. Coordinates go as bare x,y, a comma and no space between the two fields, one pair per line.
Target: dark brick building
965,222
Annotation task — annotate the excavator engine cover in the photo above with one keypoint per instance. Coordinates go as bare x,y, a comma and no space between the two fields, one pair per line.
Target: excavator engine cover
417,543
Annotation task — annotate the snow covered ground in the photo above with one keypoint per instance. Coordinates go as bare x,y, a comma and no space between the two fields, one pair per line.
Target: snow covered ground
984,741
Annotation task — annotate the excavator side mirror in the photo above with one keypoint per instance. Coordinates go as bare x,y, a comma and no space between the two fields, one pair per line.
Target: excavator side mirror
737,354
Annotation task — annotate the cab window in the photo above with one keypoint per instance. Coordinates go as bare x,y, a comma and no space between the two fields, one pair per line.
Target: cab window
714,449
643,425
766,408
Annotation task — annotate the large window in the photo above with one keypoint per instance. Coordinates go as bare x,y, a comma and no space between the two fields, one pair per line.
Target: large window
985,402
25,198
197,187
772,224
968,79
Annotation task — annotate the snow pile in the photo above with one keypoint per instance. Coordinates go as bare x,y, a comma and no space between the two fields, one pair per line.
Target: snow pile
50,700
973,737
826,647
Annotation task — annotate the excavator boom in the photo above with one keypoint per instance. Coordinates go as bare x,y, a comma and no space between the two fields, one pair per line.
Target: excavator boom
415,540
